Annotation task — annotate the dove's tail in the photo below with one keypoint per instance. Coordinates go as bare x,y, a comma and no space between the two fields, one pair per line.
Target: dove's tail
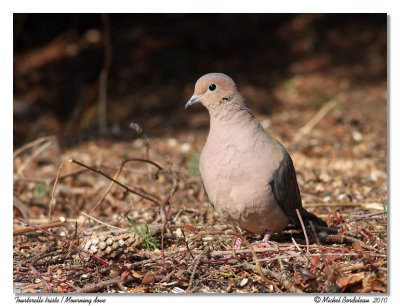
307,216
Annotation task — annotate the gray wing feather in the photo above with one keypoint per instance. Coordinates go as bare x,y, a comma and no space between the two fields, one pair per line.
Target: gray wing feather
286,191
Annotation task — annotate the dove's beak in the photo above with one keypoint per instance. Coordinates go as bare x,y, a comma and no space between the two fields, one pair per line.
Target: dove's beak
193,100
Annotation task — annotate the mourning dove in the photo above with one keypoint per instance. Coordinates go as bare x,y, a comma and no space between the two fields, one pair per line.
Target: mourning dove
248,176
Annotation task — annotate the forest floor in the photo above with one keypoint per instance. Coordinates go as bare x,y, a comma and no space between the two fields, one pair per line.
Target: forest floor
129,214
339,150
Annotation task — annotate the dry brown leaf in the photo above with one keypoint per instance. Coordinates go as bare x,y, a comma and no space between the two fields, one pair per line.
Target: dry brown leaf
137,274
350,281
190,228
148,279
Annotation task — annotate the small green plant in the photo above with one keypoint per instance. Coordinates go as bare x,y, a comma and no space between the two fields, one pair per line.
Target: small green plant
41,190
150,242
289,86
193,164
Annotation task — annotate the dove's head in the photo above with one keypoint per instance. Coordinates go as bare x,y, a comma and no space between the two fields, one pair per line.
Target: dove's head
214,90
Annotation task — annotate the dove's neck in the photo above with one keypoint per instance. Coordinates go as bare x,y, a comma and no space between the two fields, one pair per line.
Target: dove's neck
232,123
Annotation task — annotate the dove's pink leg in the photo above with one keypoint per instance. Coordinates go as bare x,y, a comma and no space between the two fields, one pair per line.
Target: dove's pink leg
237,245
262,244
266,238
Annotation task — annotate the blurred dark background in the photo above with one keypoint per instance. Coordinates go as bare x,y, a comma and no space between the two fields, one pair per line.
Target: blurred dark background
152,61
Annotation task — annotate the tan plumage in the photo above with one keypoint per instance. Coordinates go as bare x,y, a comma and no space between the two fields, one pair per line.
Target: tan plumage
248,175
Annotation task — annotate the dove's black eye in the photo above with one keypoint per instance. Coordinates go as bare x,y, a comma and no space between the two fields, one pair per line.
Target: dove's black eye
212,87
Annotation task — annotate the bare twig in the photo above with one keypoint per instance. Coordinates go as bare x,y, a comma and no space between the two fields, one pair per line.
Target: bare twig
186,243
19,205
22,231
361,243
315,120
298,248
32,144
311,255
38,221
123,163
35,260
246,251
104,195
361,265
34,154
139,130
98,286
196,263
168,202
304,231
143,160
332,270
254,255
150,197
101,222
367,216
208,232
53,199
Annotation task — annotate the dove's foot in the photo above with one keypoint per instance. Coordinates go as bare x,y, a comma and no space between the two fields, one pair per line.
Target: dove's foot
264,243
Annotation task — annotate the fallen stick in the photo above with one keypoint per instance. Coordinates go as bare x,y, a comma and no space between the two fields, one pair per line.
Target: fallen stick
24,230
32,144
245,251
306,129
98,286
